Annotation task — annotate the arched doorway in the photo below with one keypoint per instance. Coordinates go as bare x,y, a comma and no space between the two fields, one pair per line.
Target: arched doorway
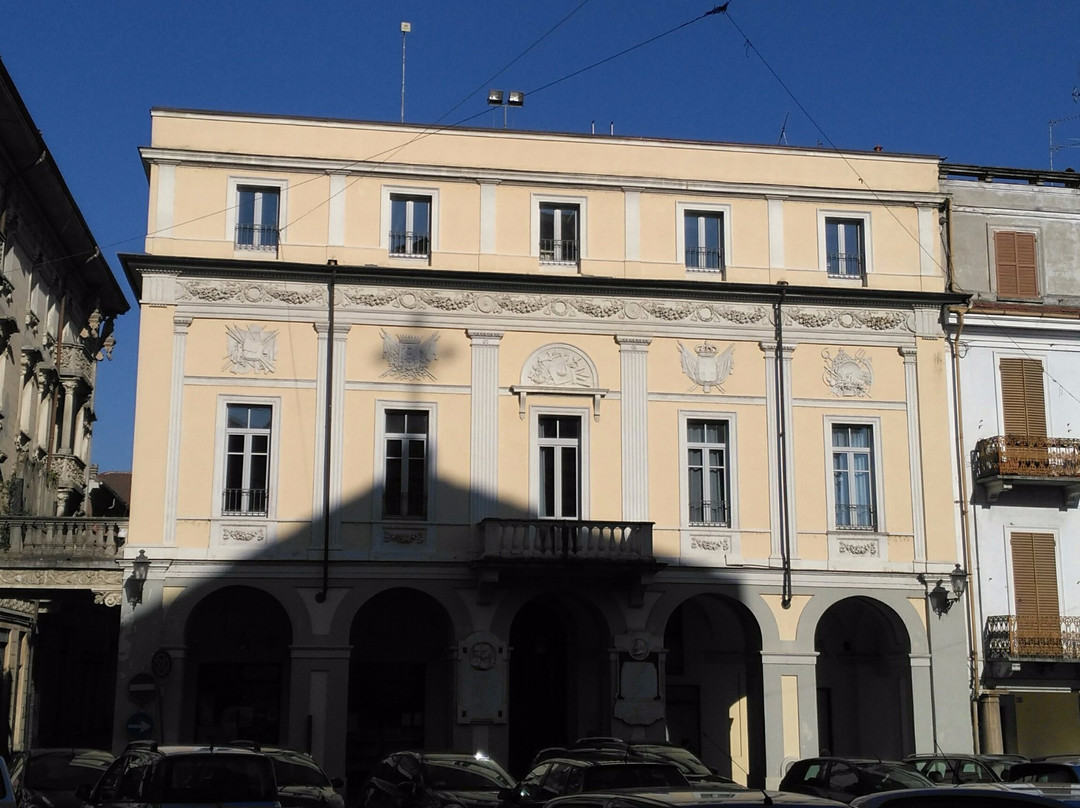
400,678
560,676
714,693
238,642
864,681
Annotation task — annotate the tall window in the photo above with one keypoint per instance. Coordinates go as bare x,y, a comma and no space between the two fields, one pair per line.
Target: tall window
405,482
247,461
559,438
410,225
1015,264
1023,403
257,226
844,247
853,477
707,472
704,239
1035,589
559,233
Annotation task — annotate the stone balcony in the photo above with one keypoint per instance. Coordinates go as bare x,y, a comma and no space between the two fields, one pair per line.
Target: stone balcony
1005,461
620,552
39,541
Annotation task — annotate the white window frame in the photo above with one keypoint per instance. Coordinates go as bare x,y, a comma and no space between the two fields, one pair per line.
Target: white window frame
991,251
683,208
999,394
220,457
389,191
235,184
868,250
583,413
583,229
876,468
381,408
685,416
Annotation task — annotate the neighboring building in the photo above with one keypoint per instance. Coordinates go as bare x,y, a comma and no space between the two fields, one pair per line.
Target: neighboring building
479,439
1015,242
58,302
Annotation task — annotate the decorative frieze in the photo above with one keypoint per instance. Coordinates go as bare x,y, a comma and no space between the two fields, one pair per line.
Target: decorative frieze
849,319
243,535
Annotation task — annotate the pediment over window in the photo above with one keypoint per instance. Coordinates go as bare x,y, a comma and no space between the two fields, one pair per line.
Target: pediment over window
562,370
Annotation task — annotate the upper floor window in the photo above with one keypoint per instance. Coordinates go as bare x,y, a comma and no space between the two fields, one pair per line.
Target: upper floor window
1015,264
559,233
707,472
257,222
247,459
559,473
703,235
407,464
845,248
410,226
854,496
1023,401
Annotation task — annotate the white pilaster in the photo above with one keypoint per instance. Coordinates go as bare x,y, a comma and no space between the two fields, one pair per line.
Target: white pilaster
335,236
176,408
634,385
772,420
911,396
776,233
166,193
487,217
337,436
484,447
632,214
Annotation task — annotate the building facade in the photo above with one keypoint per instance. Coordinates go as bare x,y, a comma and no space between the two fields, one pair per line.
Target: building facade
1014,239
58,302
485,439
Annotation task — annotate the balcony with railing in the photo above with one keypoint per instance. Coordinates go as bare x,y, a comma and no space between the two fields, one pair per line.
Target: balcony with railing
845,265
1003,461
713,514
1043,637
245,502
704,259
36,541
855,517
543,548
257,237
407,244
558,251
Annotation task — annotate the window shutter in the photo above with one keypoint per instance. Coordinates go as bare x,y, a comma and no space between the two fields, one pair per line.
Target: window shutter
1034,576
1022,401
1017,274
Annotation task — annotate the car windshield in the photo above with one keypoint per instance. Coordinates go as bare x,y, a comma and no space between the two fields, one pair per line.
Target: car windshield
630,775
897,776
65,770
465,775
683,758
215,778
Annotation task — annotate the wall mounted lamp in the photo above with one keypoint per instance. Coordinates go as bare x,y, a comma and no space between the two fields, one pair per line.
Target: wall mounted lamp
133,586
941,599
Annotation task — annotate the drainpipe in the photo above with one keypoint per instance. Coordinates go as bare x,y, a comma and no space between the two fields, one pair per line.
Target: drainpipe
320,596
781,448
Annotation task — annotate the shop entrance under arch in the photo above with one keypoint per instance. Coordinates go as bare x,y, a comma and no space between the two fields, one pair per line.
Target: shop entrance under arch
864,681
238,642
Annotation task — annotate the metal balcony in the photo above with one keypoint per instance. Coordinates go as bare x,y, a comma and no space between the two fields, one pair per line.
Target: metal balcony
37,541
546,548
1050,637
1004,461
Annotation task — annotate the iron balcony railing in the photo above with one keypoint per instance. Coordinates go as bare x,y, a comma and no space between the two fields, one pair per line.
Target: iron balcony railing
1039,637
44,538
257,237
558,251
565,539
855,517
845,265
245,501
710,513
1020,456
704,259
409,244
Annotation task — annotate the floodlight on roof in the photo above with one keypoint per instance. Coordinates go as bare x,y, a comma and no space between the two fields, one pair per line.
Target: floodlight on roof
516,99
495,97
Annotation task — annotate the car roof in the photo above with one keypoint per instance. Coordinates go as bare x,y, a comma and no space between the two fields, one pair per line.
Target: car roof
693,797
1005,794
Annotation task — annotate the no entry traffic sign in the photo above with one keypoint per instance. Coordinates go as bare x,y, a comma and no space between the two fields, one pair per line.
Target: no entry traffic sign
142,688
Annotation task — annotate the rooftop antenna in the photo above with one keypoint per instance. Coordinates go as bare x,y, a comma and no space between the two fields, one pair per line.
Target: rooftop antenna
1054,147
406,27
783,132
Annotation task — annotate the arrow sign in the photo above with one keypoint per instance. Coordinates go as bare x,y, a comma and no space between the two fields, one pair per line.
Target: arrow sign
139,726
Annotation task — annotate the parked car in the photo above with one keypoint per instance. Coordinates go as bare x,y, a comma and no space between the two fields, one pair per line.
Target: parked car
694,798
432,780
959,769
976,795
655,751
1055,769
301,782
153,776
48,778
592,770
844,779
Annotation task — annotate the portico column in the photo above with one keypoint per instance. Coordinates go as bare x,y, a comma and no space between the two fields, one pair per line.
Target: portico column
67,428
317,721
484,447
991,740
789,685
922,703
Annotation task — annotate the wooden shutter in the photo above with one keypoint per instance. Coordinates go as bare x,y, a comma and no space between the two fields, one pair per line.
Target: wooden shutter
1038,621
1022,401
1017,275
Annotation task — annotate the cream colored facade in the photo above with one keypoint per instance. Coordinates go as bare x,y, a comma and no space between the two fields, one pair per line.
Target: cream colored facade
553,349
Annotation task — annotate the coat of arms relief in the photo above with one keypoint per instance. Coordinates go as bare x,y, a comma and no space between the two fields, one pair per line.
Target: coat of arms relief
706,366
409,356
251,350
847,375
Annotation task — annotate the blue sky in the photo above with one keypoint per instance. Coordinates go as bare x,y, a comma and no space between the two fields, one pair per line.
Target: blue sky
973,82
